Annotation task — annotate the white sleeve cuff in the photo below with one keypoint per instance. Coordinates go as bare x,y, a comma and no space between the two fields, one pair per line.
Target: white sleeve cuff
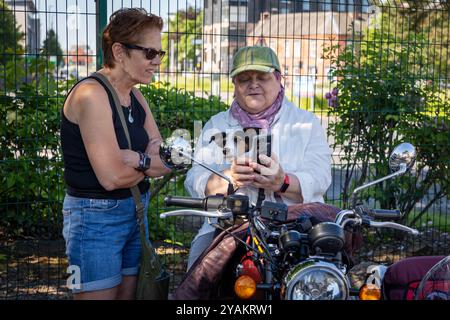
196,181
306,185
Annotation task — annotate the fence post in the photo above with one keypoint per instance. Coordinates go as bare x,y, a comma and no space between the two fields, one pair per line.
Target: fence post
101,20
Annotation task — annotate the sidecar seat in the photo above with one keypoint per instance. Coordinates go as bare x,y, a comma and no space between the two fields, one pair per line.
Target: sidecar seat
403,277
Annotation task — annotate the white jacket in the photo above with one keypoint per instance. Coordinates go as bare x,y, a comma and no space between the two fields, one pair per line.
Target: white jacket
298,140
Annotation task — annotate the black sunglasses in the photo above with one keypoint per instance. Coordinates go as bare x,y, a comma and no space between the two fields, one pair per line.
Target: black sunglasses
150,53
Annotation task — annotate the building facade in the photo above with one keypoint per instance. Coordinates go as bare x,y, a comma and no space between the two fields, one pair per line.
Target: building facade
231,24
299,39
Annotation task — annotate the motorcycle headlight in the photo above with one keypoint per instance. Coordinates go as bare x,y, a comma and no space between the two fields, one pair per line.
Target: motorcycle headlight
315,281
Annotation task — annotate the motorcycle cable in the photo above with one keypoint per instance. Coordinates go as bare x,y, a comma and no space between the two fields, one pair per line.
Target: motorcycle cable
260,242
267,257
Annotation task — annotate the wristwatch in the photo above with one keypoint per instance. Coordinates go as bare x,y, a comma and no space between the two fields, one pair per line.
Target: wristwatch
285,184
144,162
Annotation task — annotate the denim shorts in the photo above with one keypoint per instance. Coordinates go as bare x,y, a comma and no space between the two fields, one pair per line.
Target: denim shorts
102,241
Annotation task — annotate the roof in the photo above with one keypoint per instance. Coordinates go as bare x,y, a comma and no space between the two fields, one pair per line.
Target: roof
419,4
311,23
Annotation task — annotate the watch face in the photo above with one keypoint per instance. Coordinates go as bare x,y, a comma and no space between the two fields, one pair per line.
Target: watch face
147,161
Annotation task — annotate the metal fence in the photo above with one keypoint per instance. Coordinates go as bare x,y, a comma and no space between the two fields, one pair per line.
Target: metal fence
46,45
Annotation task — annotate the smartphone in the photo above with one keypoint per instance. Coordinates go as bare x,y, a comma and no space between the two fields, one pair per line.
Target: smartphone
252,145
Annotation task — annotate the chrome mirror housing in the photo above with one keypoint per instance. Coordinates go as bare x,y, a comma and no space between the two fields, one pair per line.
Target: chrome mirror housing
400,161
403,157
176,152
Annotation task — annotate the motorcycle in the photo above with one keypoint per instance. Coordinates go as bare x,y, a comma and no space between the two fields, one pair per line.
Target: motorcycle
274,252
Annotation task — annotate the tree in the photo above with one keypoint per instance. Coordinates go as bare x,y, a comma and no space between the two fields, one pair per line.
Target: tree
388,93
30,183
430,18
421,11
184,28
52,47
10,35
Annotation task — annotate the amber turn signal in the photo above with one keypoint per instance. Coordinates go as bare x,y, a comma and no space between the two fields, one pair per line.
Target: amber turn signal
370,292
245,287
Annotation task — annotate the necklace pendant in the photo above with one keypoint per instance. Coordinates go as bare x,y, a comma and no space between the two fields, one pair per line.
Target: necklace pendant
130,118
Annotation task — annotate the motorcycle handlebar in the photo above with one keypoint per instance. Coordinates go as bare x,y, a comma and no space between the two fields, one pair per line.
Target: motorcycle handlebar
386,214
393,225
194,203
208,203
205,214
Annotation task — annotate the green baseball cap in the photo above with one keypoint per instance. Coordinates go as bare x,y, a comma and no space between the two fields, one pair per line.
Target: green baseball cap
256,58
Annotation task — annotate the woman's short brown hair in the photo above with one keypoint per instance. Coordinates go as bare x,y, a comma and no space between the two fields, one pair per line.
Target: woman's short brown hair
126,25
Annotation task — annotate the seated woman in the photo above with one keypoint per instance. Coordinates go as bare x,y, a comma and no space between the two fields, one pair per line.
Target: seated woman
296,167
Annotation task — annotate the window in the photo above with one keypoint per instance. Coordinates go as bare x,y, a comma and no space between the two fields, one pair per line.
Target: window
288,49
297,48
327,6
351,6
312,49
328,73
238,14
273,44
342,5
365,6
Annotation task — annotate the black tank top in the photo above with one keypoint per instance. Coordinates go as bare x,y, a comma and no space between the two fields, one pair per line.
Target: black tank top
78,173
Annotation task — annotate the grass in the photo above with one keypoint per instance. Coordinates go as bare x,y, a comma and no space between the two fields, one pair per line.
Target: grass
196,83
439,221
203,85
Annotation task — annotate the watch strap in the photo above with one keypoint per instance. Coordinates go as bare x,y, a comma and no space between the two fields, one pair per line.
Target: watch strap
285,184
144,161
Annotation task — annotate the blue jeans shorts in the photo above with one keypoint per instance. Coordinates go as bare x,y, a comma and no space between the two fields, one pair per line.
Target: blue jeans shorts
102,241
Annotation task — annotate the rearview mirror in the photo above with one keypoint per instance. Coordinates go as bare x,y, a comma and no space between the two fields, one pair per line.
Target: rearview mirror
176,152
403,156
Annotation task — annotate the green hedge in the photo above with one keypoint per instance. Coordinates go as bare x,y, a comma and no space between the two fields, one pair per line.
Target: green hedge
32,187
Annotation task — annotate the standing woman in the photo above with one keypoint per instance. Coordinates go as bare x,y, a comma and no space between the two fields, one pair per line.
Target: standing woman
100,226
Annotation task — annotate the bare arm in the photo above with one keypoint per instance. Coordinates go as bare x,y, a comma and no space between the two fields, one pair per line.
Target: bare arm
157,168
89,108
216,184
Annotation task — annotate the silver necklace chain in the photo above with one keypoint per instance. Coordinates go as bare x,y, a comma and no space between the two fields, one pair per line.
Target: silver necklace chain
130,116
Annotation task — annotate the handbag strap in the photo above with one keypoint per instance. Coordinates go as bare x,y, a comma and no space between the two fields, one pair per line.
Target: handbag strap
134,190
